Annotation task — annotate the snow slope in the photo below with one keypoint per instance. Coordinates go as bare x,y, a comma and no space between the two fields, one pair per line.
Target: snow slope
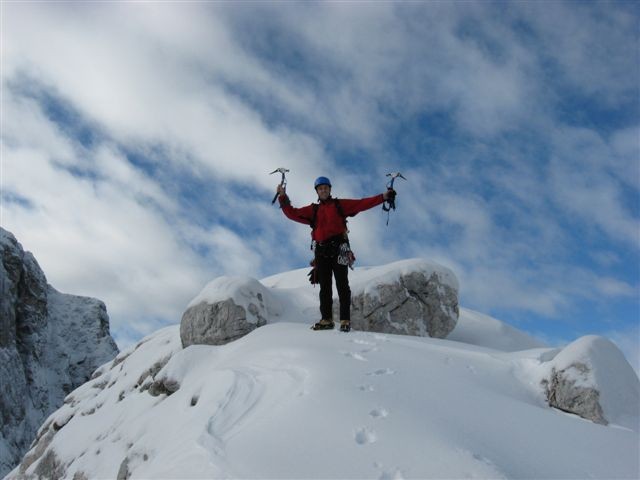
478,329
287,402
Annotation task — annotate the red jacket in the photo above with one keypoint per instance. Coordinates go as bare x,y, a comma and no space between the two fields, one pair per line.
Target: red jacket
329,222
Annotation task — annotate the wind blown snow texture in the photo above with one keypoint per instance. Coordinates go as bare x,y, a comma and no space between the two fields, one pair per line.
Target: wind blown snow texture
287,402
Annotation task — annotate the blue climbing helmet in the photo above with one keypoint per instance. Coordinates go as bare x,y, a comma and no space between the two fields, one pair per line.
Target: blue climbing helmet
321,181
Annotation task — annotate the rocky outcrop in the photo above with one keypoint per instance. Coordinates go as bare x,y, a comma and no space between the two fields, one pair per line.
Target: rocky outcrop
228,308
579,379
50,343
411,297
417,303
103,401
564,392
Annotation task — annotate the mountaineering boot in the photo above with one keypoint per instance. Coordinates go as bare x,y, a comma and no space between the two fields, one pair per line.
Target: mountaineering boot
323,324
345,325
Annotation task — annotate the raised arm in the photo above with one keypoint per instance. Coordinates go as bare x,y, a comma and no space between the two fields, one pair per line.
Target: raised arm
301,215
352,207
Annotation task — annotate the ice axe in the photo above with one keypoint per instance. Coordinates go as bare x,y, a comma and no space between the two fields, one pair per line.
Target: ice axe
283,182
390,204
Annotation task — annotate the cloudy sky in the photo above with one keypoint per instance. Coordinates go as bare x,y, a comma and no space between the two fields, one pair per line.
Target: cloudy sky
137,141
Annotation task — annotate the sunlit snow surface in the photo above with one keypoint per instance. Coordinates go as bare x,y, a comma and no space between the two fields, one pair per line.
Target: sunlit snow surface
288,402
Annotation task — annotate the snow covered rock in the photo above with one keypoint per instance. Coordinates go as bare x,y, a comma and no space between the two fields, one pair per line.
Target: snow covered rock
99,402
50,343
227,308
591,378
410,297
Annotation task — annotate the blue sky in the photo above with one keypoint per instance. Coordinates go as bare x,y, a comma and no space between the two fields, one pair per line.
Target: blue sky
137,139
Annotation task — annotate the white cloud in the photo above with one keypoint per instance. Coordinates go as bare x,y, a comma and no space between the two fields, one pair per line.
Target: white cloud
507,251
95,234
94,238
140,87
232,252
612,287
200,91
101,227
585,185
409,59
594,47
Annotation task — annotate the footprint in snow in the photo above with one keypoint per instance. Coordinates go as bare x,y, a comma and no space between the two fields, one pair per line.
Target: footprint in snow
355,356
395,475
382,338
378,413
360,341
381,371
364,436
366,388
369,350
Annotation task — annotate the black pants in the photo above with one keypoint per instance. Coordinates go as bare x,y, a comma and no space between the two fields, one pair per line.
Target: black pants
326,267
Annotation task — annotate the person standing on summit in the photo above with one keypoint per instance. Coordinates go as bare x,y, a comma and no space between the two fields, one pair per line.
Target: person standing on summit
333,256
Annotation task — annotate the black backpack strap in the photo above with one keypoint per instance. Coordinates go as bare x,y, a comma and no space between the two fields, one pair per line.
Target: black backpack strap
314,216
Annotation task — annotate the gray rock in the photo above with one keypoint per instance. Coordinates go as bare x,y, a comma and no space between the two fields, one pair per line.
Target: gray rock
108,388
164,386
564,393
591,378
50,467
151,372
123,471
222,321
419,302
50,343
214,324
41,444
413,305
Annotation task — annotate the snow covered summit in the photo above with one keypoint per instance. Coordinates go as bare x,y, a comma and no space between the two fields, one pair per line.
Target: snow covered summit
287,402
409,297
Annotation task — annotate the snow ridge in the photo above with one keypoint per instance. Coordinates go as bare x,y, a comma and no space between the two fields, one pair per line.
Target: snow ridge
379,405
287,402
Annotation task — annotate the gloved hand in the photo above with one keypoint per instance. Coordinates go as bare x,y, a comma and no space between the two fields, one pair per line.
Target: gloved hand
390,195
312,276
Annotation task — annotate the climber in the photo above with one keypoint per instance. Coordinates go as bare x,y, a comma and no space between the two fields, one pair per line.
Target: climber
330,242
